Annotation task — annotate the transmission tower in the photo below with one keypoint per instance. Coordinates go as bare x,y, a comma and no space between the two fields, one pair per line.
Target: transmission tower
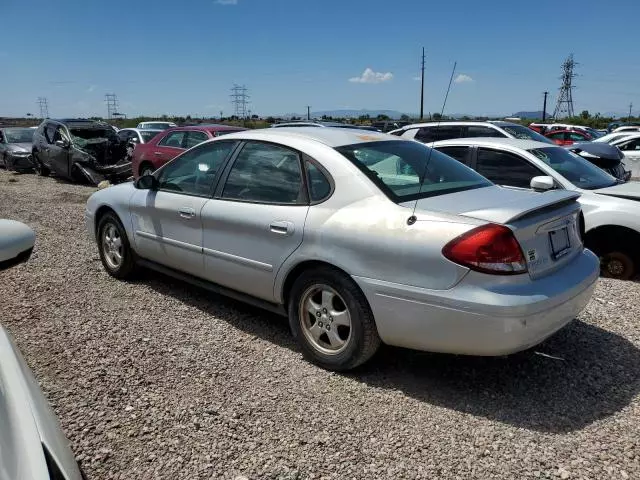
112,105
240,100
44,107
564,107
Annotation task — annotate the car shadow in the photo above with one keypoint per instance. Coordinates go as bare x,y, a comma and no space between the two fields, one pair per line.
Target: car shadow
578,376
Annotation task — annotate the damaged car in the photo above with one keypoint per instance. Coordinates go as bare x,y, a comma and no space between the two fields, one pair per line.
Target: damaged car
15,148
80,150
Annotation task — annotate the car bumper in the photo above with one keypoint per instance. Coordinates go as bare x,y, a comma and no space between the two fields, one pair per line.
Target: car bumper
477,317
119,170
19,162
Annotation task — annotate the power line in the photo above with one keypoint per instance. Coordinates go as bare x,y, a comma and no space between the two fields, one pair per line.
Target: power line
564,107
44,107
112,105
240,100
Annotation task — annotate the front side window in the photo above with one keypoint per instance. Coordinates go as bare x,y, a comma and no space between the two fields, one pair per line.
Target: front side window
480,131
265,173
173,139
505,168
194,172
50,131
407,171
580,172
438,132
194,138
632,145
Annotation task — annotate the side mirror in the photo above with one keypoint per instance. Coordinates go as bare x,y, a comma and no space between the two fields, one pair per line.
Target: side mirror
61,143
146,182
542,183
16,243
133,140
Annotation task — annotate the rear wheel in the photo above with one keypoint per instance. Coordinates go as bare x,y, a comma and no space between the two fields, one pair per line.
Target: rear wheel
618,264
331,319
113,245
39,167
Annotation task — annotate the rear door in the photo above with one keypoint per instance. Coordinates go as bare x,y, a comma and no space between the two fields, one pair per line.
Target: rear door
194,137
167,222
168,148
256,220
505,168
460,153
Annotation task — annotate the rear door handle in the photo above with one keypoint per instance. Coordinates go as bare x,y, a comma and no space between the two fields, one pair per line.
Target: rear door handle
187,212
157,153
281,228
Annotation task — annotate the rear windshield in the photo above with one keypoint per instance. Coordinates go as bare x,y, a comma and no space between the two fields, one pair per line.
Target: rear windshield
525,133
406,170
224,132
580,172
18,135
156,126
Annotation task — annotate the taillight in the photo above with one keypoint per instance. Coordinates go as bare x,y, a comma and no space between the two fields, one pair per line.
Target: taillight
489,249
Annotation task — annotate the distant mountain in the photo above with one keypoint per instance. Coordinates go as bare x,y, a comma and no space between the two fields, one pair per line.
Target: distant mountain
537,114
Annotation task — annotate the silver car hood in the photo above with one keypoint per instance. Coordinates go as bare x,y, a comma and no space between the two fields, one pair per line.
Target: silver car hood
27,423
630,190
20,147
494,204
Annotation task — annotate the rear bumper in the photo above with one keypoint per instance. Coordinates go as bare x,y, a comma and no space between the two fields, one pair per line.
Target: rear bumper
481,318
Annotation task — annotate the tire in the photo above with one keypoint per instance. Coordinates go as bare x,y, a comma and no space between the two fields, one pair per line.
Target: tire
39,168
117,257
618,264
318,301
146,169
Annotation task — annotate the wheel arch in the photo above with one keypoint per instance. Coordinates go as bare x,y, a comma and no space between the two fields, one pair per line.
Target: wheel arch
604,236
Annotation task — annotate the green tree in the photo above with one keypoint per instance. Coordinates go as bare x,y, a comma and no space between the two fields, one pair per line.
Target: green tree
383,117
585,114
404,117
437,116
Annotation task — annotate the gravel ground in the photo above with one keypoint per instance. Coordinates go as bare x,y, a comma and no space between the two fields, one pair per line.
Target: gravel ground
156,379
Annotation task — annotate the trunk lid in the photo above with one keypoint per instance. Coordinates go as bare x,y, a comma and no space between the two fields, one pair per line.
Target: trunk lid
545,224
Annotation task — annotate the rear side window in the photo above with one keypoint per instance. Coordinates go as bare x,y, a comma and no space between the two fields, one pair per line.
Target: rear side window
459,153
319,185
481,131
194,138
577,137
632,145
266,173
173,139
557,136
438,132
504,168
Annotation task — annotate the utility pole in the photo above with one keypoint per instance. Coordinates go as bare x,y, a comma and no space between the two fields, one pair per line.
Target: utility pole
544,107
240,100
44,107
112,105
308,112
630,107
565,99
422,88
220,114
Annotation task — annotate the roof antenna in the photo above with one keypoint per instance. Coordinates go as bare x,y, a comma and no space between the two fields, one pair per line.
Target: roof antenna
412,219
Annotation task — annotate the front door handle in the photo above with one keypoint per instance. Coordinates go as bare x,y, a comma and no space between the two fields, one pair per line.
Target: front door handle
157,153
281,228
187,212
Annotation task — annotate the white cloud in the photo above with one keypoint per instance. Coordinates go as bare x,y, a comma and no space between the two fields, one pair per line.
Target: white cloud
91,88
369,76
462,78
226,2
417,79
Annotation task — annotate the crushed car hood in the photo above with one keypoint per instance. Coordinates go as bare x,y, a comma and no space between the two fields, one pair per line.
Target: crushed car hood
494,204
630,190
600,154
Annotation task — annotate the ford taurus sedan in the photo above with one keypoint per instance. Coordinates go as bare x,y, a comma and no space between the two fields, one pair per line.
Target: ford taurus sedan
359,237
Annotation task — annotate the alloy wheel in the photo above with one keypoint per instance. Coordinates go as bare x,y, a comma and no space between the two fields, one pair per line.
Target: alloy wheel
325,319
112,246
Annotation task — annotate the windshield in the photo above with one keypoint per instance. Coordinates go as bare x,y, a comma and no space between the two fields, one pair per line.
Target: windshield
81,137
397,168
574,168
18,135
525,133
146,136
157,126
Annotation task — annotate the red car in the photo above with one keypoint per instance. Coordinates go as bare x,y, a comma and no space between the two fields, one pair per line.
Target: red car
148,157
568,137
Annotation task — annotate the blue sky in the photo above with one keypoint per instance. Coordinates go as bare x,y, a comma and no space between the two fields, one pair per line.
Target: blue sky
182,57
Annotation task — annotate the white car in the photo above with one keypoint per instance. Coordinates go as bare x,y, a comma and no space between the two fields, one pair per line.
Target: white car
630,146
156,125
612,137
627,128
611,210
435,131
32,445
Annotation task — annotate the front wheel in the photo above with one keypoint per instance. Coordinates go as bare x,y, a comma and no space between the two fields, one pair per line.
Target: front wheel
619,265
331,319
113,245
39,167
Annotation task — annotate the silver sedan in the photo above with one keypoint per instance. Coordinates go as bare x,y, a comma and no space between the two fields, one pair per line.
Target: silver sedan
359,237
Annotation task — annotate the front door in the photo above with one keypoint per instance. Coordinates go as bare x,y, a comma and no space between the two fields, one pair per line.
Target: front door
59,155
167,222
168,148
256,220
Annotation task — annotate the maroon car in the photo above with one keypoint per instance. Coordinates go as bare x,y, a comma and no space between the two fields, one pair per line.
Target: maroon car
148,157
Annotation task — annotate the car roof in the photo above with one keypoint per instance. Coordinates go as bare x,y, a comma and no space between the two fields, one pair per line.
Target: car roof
80,122
494,141
212,127
139,130
496,123
627,136
332,137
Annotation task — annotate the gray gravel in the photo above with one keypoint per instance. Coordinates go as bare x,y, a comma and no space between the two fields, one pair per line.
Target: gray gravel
156,379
